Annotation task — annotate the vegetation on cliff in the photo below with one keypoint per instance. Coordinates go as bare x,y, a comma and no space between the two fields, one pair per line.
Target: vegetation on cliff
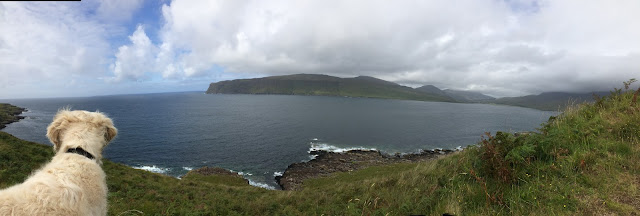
327,163
314,84
363,86
586,161
9,114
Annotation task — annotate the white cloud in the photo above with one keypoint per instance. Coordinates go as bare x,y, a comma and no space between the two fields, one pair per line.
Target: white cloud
502,48
44,46
135,62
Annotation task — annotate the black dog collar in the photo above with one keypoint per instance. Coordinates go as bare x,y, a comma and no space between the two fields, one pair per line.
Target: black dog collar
81,151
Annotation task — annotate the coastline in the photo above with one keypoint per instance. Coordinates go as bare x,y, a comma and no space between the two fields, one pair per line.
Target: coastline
10,114
326,163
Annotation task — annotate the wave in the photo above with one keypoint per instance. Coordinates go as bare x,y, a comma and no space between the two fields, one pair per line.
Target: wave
331,148
260,184
153,168
242,173
317,146
245,175
163,170
311,156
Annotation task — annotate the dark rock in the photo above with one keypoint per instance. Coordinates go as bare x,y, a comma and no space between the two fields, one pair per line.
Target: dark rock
327,163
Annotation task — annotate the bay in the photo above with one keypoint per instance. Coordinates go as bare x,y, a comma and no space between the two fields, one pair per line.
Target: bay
260,135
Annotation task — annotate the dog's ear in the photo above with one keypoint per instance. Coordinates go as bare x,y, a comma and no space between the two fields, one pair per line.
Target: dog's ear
110,133
55,129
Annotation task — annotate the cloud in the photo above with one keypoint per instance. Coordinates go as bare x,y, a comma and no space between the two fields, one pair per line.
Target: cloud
503,48
117,10
349,38
44,47
134,62
498,47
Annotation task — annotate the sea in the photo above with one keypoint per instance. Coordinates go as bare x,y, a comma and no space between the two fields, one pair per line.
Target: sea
258,136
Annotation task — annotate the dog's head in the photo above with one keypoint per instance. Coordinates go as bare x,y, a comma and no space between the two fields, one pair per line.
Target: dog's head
91,131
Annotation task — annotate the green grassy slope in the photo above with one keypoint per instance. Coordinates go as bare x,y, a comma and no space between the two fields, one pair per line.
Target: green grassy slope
584,162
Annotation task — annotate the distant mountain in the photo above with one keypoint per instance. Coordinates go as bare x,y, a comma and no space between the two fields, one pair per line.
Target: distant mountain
431,90
365,86
550,101
468,96
458,95
316,84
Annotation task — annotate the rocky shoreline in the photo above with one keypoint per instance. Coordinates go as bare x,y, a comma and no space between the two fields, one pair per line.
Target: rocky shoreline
10,114
325,163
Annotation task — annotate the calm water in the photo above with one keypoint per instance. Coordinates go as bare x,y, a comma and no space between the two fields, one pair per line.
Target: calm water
260,135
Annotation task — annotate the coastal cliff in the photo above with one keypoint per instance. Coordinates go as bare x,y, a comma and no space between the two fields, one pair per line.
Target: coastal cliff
325,163
316,84
370,87
9,114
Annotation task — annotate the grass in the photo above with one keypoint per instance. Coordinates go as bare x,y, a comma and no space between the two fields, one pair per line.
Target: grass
585,161
8,114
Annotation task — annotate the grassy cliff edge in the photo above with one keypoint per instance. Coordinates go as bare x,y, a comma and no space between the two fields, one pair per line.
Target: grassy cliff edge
584,161
9,114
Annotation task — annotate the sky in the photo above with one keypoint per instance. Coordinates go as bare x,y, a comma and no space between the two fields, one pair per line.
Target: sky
497,47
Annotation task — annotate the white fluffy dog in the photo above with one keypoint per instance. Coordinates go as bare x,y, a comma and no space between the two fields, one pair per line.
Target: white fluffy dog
73,183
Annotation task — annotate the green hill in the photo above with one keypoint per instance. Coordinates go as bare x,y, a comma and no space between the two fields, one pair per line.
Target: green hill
550,101
469,96
314,84
585,161
458,95
431,89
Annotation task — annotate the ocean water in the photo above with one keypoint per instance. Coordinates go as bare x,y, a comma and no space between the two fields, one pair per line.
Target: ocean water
260,135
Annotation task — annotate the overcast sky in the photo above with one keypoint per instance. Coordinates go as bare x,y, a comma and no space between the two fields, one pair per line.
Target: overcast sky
497,47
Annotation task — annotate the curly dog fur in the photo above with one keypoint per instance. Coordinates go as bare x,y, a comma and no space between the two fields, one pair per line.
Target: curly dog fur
70,184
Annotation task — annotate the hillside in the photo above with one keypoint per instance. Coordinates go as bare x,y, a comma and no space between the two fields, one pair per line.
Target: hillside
364,86
9,113
585,161
458,95
468,96
431,90
314,84
550,101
